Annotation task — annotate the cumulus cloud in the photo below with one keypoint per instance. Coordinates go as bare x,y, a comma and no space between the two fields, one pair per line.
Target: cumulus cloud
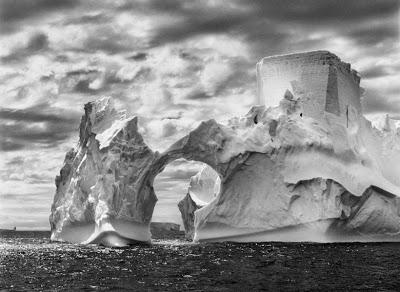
15,10
14,14
375,72
30,127
36,43
374,102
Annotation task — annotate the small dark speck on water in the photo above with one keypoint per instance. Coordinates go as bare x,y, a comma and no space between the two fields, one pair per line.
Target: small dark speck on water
33,263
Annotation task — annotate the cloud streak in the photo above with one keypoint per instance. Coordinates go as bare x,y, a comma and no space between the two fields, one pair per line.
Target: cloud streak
25,128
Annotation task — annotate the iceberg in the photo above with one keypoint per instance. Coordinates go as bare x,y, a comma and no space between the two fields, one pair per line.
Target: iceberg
304,165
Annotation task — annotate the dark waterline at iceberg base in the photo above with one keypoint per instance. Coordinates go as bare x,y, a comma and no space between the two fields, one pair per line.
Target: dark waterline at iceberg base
30,262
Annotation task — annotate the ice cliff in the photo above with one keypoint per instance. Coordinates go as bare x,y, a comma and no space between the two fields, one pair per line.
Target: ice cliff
309,167
103,195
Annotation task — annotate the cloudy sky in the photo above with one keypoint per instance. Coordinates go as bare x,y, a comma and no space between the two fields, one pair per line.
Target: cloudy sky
172,63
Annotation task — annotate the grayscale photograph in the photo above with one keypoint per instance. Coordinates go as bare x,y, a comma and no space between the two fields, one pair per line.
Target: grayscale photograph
199,145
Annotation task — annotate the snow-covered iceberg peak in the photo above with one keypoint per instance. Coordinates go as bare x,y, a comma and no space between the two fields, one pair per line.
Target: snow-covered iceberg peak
103,120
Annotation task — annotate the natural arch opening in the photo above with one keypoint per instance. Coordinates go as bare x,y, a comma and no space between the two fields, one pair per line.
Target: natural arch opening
189,184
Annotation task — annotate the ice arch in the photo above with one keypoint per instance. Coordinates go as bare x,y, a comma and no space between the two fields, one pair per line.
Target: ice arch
182,188
105,188
204,187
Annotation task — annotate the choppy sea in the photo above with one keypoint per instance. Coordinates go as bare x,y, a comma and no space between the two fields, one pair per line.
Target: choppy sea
30,262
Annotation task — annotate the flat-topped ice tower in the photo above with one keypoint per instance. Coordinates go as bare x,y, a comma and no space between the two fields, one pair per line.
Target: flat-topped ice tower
321,81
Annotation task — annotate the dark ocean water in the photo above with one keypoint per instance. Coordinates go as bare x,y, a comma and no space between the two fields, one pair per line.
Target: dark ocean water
29,261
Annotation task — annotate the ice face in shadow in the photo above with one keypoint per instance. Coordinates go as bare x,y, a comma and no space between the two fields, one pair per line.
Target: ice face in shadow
299,170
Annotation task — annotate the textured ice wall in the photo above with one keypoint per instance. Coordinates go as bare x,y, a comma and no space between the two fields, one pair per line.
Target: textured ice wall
313,184
103,195
319,79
